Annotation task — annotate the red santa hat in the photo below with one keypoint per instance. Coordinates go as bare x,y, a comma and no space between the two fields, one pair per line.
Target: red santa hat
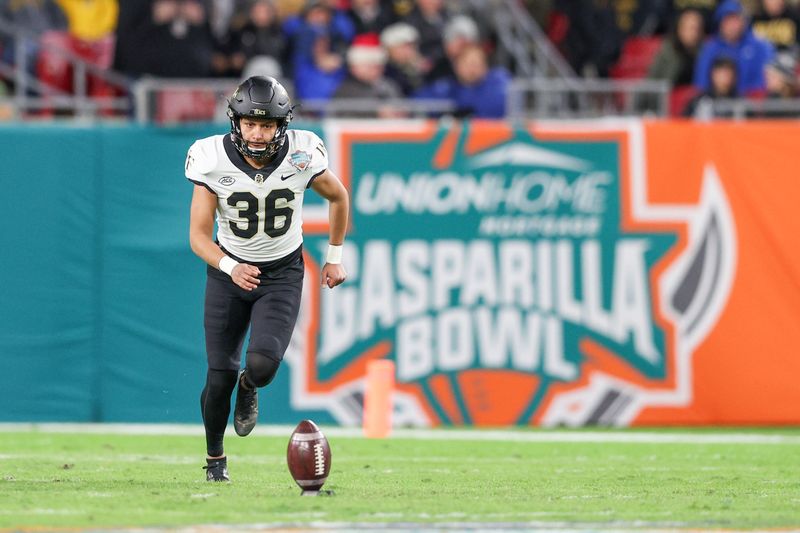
366,50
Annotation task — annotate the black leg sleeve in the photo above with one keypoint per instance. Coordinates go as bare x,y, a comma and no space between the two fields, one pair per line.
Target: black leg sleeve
215,406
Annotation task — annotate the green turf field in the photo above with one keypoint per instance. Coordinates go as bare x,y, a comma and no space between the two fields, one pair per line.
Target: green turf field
112,480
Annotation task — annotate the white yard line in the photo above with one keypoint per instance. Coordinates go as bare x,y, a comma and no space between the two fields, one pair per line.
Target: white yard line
511,435
416,527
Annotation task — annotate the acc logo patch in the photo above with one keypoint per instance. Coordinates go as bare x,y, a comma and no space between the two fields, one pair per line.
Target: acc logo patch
300,160
227,180
259,178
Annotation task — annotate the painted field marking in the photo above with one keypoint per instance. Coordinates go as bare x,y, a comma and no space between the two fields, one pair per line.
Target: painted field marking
615,436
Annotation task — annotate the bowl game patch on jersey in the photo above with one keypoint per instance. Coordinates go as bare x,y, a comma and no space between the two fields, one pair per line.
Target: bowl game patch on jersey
300,160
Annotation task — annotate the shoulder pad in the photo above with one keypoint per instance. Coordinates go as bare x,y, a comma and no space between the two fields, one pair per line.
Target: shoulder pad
305,139
203,154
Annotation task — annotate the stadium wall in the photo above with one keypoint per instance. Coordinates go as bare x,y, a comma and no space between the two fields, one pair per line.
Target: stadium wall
610,272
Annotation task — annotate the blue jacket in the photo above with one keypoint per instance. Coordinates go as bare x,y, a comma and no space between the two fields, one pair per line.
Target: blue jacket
751,54
486,99
311,82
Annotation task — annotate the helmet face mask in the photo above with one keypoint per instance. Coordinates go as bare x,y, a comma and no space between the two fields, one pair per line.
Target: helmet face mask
260,98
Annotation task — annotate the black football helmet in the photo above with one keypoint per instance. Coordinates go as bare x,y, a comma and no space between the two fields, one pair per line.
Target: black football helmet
260,97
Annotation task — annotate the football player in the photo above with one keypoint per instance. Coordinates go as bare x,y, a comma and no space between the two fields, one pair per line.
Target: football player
252,181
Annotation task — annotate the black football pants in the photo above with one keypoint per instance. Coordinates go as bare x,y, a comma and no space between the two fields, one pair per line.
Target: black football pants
270,311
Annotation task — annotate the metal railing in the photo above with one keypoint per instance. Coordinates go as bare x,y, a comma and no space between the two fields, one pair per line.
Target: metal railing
744,109
552,62
526,99
521,38
376,108
34,94
205,100
557,98
146,93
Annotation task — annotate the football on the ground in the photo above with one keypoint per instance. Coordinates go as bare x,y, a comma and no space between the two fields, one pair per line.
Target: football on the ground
309,456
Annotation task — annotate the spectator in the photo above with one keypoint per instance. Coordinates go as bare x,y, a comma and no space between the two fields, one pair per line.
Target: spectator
675,62
318,52
734,39
476,91
460,32
370,16
262,66
400,8
778,23
90,36
340,24
429,18
165,38
676,58
639,17
406,66
704,7
366,61
593,41
38,17
781,77
257,34
6,108
722,85
482,15
221,15
90,21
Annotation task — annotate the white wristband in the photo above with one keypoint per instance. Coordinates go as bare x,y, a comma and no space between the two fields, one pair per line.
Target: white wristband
226,264
334,256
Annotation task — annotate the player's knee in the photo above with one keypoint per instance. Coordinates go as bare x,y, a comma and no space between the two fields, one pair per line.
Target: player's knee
261,367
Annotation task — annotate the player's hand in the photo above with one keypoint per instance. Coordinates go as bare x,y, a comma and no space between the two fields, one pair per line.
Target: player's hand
333,275
245,276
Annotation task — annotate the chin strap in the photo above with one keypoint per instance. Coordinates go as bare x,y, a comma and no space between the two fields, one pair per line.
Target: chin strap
239,142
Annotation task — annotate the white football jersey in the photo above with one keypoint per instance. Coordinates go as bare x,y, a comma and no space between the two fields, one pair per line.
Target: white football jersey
259,211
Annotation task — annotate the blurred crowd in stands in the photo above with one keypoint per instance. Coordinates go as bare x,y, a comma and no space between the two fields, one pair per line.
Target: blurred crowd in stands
420,49
326,49
706,49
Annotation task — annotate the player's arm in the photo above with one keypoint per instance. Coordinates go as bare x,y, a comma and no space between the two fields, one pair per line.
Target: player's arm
329,187
201,239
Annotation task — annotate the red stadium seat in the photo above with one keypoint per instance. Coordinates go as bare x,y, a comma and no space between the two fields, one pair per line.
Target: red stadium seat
55,70
181,105
52,68
679,98
557,27
636,56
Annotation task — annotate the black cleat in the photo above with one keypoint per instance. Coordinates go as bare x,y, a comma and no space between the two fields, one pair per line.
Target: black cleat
245,415
217,470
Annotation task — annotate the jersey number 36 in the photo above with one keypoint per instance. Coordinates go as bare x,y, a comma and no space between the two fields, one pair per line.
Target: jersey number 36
271,213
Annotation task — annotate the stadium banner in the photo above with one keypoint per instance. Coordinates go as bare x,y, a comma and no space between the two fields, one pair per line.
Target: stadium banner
561,274
567,273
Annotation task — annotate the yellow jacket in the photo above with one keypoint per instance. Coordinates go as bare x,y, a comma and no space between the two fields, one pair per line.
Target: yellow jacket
90,20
